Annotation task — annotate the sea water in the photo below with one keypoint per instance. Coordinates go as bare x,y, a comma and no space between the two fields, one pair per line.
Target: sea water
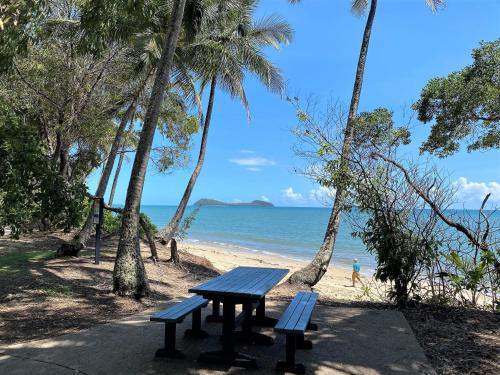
291,232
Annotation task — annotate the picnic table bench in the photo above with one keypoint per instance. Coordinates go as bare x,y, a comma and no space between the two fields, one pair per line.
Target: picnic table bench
293,323
247,286
176,314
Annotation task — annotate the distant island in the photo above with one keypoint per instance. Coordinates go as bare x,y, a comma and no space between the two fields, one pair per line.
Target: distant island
213,202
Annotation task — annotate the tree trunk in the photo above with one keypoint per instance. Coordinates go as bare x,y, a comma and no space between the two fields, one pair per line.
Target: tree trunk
81,238
129,274
145,228
120,162
314,271
64,170
167,233
151,240
174,254
119,166
117,174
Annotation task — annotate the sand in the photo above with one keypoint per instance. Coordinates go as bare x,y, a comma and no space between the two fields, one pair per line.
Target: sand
336,284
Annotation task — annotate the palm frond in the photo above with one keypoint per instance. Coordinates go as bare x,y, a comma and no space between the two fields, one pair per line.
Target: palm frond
271,30
435,4
359,6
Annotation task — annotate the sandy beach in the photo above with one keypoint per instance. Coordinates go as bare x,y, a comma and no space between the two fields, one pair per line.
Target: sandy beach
336,284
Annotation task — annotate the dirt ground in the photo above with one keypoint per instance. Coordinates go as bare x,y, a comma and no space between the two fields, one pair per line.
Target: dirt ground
49,297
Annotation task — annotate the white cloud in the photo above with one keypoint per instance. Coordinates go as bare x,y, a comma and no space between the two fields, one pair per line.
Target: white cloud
472,193
253,169
236,200
322,194
253,162
264,198
247,151
288,193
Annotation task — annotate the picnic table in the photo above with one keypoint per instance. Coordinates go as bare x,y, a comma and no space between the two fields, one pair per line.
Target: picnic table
247,286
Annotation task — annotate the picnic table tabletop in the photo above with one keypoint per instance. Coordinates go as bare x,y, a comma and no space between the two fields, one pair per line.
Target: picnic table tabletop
246,282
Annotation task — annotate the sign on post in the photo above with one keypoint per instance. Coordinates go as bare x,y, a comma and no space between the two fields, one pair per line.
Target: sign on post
98,219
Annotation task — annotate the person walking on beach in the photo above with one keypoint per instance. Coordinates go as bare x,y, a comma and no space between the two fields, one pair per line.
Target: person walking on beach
356,267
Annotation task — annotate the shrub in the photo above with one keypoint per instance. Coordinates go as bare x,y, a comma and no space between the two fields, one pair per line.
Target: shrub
113,221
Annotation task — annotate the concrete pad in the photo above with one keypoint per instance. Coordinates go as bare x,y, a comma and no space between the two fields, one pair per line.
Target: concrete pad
349,341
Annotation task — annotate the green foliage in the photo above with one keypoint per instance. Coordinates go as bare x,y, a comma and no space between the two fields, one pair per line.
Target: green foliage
464,105
183,229
470,274
376,129
149,224
119,20
14,262
19,26
112,224
177,127
399,251
32,193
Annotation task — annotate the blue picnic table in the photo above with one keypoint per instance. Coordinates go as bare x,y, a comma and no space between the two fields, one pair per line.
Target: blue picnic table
247,286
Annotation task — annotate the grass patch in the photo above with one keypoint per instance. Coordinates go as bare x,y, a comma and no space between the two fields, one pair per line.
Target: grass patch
14,262
57,291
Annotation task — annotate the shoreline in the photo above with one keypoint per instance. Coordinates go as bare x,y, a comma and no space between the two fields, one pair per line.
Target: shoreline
335,284
366,271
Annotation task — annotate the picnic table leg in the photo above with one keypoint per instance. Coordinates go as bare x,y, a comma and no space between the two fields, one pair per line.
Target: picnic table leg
246,335
169,350
260,319
196,331
227,355
215,317
289,364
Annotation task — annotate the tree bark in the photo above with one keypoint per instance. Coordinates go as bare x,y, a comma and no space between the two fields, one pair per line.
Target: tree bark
151,240
145,228
117,174
64,170
81,238
314,271
129,274
119,165
168,232
174,254
120,162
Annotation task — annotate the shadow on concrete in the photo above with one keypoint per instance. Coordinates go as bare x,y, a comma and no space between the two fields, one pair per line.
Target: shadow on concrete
349,341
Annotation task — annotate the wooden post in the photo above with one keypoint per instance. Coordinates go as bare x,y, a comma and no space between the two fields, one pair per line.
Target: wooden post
98,220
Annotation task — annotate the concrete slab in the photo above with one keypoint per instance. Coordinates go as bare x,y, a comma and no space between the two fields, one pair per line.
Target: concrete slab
349,341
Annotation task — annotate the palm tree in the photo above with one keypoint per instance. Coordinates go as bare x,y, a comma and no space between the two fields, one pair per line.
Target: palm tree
120,162
222,53
129,274
314,271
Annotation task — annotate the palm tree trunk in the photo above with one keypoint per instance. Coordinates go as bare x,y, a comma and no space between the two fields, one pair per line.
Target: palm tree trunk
117,174
81,238
129,274
167,233
119,166
314,271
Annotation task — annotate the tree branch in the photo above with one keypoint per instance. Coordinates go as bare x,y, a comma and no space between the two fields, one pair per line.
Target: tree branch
431,203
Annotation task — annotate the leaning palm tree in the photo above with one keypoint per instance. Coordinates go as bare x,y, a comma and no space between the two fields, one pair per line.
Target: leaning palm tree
129,274
314,271
221,54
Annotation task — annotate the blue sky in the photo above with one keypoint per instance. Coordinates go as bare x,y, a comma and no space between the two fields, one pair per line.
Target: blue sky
409,46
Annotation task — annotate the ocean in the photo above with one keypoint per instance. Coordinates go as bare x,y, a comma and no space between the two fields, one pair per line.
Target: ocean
292,232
